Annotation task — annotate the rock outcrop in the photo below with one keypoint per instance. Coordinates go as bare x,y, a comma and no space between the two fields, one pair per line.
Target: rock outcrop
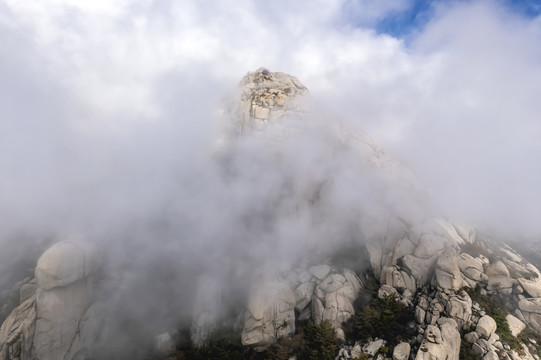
463,293
266,96
270,314
57,318
272,303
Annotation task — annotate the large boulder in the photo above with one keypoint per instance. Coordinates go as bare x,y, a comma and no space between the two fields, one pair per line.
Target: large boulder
270,314
471,267
515,325
459,307
486,326
401,351
440,342
333,299
57,319
448,276
64,263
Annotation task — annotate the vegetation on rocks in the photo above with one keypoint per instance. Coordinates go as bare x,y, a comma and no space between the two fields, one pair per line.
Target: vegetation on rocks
321,342
385,318
494,305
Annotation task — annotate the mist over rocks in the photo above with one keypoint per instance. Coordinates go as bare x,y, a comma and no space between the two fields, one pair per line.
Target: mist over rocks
291,219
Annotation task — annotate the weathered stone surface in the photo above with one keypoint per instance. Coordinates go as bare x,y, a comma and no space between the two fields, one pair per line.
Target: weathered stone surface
448,274
418,267
471,337
303,295
532,287
420,315
372,347
59,311
433,334
459,307
497,268
471,267
401,351
266,96
56,319
491,355
433,235
17,331
515,325
270,314
64,263
532,305
333,299
486,326
447,349
320,271
386,290
356,351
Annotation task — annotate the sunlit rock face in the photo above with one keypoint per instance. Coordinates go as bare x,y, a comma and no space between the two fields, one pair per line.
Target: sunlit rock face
266,97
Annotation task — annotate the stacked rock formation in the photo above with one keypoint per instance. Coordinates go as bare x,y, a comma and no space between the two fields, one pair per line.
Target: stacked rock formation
266,97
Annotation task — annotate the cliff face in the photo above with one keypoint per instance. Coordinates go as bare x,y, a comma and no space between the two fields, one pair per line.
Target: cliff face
466,295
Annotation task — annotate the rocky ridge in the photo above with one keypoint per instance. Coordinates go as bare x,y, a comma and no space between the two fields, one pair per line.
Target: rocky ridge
471,297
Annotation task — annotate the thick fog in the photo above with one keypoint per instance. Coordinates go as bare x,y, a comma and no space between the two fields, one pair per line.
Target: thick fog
111,115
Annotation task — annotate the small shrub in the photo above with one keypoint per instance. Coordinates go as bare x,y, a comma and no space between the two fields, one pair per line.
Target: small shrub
386,318
465,352
285,348
216,351
320,341
363,356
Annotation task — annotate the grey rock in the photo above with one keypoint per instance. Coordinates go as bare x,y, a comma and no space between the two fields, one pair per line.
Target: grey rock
402,351
17,331
270,314
447,349
372,347
27,291
471,337
515,325
333,299
486,326
64,263
491,355
303,295
448,274
532,305
420,315
320,271
356,351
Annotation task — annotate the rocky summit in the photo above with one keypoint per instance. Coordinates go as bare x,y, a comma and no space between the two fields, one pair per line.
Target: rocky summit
409,285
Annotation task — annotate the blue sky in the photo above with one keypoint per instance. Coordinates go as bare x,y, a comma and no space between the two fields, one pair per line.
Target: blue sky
402,22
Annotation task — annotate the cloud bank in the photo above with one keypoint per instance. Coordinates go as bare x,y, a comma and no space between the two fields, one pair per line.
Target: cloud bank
110,111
